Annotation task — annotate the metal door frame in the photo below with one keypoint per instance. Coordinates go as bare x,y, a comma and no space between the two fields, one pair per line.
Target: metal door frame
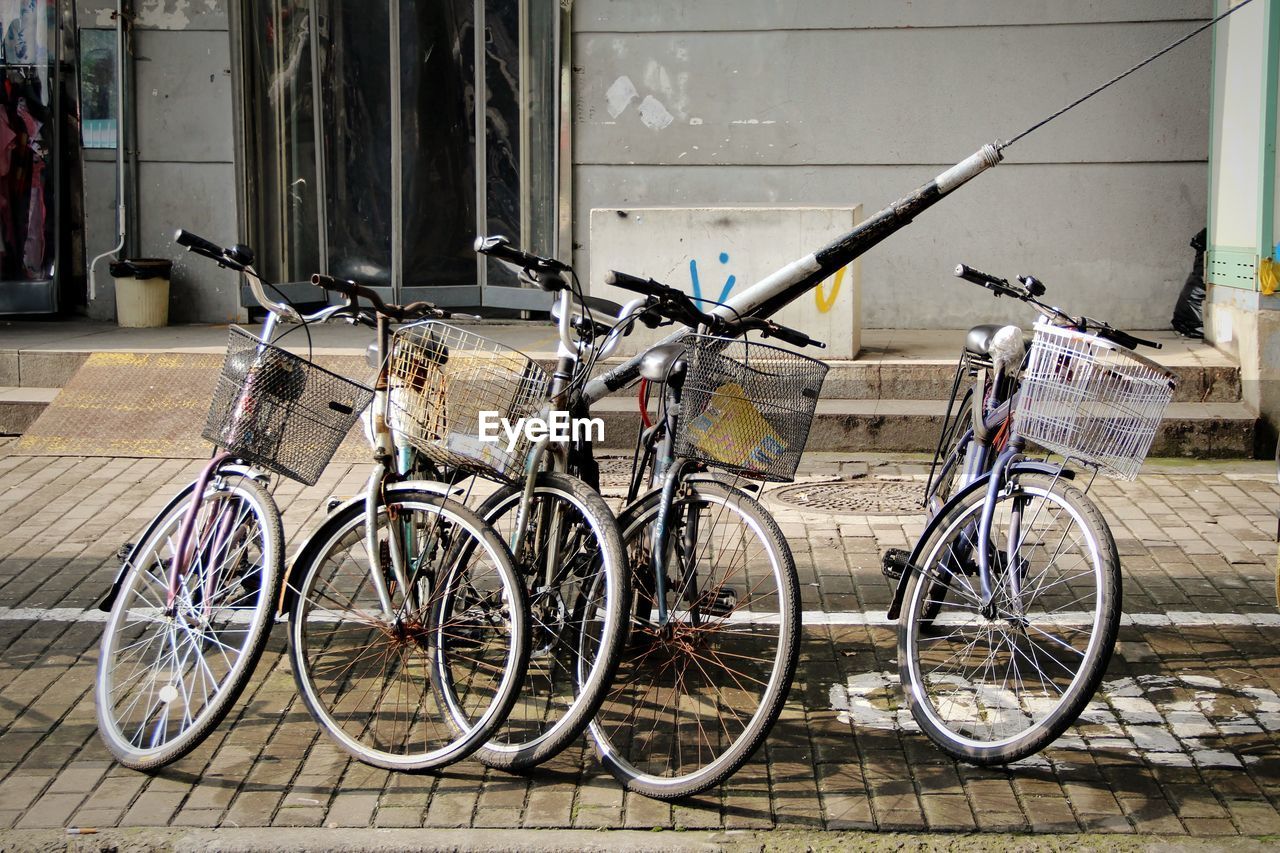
481,293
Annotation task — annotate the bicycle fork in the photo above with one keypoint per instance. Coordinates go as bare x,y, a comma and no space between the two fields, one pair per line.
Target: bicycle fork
185,550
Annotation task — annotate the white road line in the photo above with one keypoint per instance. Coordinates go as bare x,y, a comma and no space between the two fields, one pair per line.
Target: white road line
876,618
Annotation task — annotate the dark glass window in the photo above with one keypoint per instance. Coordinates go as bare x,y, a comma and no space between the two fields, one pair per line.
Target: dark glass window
325,173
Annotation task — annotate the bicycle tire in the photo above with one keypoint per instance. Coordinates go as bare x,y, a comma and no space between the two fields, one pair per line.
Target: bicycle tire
989,700
646,755
578,623
373,684
236,570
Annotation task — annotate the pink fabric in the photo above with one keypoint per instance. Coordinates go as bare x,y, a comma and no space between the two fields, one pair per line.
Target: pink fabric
33,250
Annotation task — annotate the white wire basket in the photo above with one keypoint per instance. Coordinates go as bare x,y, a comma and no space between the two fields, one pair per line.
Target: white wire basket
1089,399
441,378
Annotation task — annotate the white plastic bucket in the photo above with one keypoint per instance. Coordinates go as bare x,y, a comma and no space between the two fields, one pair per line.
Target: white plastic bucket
142,293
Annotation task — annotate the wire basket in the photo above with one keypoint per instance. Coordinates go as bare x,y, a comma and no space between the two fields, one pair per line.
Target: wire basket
280,411
747,407
1089,399
443,379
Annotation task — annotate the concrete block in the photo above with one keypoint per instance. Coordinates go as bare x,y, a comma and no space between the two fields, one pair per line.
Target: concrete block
47,369
715,253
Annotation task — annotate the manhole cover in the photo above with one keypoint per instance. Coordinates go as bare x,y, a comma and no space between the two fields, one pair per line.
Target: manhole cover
870,496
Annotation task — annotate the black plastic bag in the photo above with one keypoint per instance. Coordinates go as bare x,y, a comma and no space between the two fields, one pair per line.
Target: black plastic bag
1188,313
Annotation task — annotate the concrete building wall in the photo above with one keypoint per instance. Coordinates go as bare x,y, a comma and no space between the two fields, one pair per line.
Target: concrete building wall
186,162
838,102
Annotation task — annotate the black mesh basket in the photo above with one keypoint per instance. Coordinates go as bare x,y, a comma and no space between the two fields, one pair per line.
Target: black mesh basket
747,407
280,411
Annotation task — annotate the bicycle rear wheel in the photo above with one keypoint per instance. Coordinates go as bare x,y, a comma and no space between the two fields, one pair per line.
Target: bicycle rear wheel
166,676
693,700
578,619
996,686
426,684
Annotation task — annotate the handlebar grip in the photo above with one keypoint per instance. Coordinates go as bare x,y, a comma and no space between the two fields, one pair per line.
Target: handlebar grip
199,243
643,286
500,247
1127,340
979,277
349,289
795,337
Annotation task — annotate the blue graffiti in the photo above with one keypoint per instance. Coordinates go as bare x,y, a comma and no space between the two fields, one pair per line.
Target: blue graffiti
697,285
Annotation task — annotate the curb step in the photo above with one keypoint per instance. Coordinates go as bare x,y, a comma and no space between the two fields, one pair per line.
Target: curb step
19,407
1201,430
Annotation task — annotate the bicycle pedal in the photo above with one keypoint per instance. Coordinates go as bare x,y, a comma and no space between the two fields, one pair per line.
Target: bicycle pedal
894,563
333,503
722,603
125,550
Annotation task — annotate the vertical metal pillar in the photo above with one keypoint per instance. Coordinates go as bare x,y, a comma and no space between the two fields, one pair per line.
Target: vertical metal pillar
397,158
482,129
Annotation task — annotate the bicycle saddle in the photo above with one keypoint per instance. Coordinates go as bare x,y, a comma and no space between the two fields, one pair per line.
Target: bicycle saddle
979,339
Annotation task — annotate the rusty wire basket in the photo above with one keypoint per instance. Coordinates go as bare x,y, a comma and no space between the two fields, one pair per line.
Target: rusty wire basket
747,407
443,379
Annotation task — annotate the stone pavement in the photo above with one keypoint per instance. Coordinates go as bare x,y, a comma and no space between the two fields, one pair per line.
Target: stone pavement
1184,739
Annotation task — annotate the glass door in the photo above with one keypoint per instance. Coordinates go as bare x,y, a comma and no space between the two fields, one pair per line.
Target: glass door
366,155
29,154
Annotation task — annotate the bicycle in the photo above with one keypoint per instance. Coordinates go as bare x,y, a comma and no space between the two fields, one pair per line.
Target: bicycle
563,535
716,599
645,763
1009,604
432,600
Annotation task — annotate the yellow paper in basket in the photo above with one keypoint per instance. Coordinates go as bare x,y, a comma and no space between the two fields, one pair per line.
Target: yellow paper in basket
732,430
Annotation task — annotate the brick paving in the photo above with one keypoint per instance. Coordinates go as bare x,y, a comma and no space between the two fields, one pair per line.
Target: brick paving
1184,739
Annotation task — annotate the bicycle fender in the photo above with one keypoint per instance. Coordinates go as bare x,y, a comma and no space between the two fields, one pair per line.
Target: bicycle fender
229,468
292,576
1026,466
751,489
106,604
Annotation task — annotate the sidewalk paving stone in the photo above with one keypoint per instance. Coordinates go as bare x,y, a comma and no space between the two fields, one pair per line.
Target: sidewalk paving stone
1184,737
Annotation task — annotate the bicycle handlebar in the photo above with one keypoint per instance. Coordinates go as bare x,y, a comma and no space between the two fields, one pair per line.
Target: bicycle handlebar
199,245
354,291
643,286
999,286
1031,287
678,306
500,247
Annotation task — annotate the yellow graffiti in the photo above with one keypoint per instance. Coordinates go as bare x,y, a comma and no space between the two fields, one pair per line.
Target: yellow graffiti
824,302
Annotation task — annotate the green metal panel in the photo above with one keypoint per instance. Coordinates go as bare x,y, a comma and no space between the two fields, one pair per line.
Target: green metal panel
1227,266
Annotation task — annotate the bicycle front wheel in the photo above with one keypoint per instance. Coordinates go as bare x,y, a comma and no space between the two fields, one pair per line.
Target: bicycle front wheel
694,698
168,671
427,682
571,560
994,684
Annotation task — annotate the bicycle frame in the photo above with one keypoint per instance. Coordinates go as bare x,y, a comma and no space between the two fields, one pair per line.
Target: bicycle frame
980,469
